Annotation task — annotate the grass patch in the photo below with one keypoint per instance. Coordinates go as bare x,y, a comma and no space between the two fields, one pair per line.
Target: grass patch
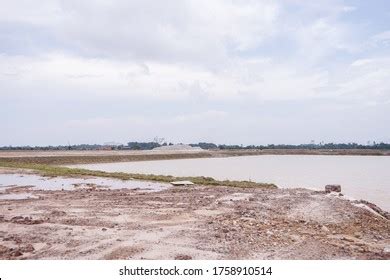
53,171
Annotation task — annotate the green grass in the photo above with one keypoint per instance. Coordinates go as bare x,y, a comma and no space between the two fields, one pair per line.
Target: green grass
53,171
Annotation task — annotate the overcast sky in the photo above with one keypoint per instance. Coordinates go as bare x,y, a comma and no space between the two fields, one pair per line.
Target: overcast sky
237,72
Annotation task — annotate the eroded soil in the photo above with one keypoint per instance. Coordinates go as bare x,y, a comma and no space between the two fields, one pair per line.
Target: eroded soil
192,222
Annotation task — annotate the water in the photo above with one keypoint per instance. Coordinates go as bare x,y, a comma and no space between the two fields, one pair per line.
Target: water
62,183
17,196
361,177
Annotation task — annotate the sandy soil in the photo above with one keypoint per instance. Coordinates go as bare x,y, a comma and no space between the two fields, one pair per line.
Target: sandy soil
192,222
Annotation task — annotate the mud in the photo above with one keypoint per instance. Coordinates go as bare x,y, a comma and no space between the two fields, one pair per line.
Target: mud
9,179
191,222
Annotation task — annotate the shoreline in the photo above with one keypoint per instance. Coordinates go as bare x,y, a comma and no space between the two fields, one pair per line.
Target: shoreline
85,157
75,173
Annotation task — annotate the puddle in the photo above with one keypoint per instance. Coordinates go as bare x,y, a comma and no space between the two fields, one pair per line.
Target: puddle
62,183
17,196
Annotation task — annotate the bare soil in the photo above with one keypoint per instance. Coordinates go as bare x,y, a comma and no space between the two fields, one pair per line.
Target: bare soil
192,222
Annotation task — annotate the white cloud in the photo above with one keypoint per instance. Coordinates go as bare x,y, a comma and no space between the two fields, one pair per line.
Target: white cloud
211,115
184,31
102,77
382,38
256,79
361,62
46,13
349,8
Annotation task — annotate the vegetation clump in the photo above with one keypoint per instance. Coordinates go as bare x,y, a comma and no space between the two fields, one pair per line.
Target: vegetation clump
53,171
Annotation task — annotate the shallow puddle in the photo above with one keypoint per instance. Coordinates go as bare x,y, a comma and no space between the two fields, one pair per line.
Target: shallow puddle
17,196
61,183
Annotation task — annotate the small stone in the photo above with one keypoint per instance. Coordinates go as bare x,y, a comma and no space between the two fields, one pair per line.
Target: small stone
17,253
325,228
28,248
332,188
104,229
183,257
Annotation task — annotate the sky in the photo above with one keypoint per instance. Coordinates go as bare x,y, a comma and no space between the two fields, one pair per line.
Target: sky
234,72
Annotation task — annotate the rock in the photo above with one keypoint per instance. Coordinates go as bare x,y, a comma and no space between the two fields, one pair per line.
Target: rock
386,249
347,238
183,257
104,229
182,183
58,213
324,228
17,254
28,248
332,188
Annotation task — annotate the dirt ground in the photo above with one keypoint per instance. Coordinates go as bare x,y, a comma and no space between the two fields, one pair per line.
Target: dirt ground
191,222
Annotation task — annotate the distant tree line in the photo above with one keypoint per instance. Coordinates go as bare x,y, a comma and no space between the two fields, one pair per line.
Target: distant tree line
81,147
206,146
328,146
142,145
203,145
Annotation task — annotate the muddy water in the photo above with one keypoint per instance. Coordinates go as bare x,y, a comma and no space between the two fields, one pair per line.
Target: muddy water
361,177
60,183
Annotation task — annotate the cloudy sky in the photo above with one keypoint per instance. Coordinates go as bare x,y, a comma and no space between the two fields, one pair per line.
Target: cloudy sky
237,72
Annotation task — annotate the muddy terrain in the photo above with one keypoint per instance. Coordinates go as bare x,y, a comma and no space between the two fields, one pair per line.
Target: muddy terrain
189,222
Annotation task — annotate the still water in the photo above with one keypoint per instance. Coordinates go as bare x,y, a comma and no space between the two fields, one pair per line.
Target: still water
38,182
361,177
